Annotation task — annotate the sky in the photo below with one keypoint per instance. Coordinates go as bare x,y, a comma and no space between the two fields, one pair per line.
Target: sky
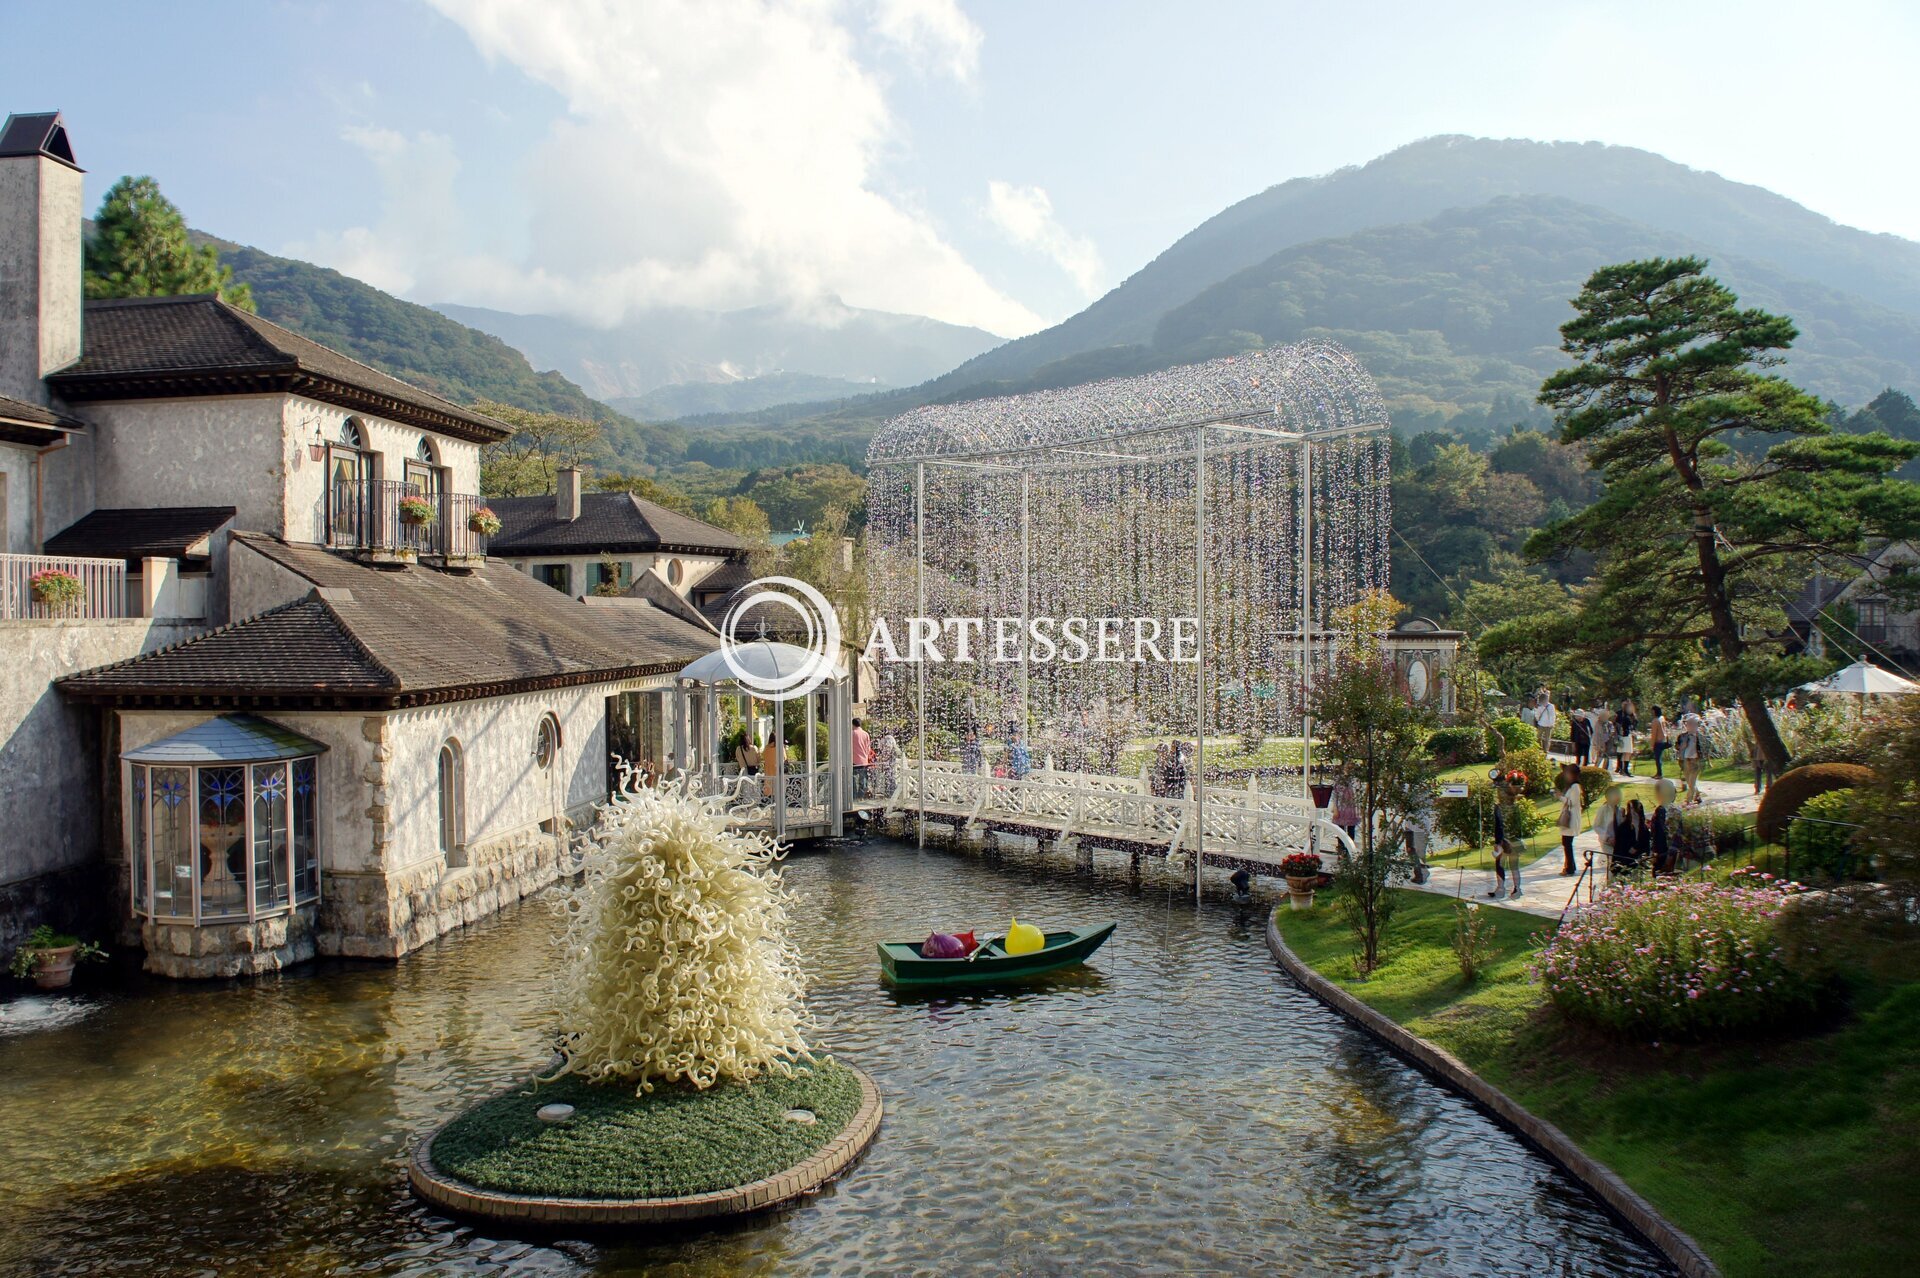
999,163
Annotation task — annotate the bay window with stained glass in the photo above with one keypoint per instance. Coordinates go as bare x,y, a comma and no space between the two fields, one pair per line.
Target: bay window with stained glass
223,824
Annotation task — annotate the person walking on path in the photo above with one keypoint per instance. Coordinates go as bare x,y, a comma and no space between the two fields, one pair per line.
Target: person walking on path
1580,730
1603,733
862,761
1572,806
1625,720
1346,807
1605,818
1688,747
1544,720
1506,845
1657,738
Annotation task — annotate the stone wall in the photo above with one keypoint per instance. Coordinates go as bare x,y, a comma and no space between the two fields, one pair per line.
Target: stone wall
50,765
220,451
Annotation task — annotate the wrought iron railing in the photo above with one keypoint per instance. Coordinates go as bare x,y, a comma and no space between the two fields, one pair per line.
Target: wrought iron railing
367,514
103,587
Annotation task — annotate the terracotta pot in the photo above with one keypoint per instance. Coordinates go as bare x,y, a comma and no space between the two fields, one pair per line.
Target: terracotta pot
1300,892
414,521
53,968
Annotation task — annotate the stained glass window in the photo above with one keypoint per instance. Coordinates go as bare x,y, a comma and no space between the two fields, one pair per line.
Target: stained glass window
271,866
172,832
223,842
137,832
306,849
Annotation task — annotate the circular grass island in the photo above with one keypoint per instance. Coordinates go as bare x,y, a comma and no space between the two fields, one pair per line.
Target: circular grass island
672,1154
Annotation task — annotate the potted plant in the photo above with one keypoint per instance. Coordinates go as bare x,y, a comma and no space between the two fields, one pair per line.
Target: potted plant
49,957
1302,872
55,588
417,511
484,522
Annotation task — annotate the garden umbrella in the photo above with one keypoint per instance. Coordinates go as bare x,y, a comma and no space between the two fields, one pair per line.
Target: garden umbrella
1863,680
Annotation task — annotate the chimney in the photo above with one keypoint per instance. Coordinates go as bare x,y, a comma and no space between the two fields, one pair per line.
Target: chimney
566,493
40,212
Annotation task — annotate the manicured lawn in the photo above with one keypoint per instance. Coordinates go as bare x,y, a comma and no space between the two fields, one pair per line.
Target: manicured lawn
1796,1157
670,1142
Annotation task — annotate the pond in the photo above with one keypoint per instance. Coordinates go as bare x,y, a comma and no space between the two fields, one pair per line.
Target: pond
1178,1107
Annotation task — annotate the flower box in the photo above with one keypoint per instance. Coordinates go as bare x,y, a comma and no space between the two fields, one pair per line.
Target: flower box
56,588
417,512
484,522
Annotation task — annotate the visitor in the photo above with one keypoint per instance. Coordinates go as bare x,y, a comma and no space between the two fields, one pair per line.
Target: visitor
1157,782
1419,838
1572,807
1657,737
1177,771
1604,731
1580,730
1242,886
1689,746
885,756
1019,758
1662,829
1530,713
1544,720
1632,840
1625,720
862,755
972,759
1605,818
1507,847
1346,807
770,757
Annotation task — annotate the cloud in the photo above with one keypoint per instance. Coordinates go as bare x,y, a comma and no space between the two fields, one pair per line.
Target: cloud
712,153
935,33
1024,214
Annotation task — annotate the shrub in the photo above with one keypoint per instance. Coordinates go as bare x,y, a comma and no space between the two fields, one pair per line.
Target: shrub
1680,960
1820,837
1515,733
1533,761
1451,747
676,964
1470,820
1785,796
1703,834
1855,752
1472,940
1594,783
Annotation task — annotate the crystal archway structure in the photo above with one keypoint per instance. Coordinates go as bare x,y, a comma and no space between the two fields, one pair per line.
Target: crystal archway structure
1248,494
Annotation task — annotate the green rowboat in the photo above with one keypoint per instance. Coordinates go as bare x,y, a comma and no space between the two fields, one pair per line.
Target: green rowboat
902,964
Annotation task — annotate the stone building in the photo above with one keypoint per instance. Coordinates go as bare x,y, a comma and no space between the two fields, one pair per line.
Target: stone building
297,709
583,543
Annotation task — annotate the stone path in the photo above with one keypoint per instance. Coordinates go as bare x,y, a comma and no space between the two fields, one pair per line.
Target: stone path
1543,890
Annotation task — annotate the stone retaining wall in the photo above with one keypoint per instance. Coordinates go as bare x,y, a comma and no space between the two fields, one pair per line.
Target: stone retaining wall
1437,1063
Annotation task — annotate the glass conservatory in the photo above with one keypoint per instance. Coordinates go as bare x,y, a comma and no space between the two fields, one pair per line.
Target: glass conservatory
221,822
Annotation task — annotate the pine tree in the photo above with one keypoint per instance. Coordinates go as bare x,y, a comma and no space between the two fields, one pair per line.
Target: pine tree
1699,545
140,249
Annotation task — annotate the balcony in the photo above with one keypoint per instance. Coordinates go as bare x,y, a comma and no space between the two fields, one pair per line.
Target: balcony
103,588
365,515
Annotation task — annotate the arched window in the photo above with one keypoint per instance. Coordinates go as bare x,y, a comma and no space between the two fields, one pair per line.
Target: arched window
349,472
351,435
546,742
425,452
453,801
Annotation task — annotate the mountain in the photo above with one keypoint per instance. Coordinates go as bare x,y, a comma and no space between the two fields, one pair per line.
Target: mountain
671,346
692,399
430,350
1418,182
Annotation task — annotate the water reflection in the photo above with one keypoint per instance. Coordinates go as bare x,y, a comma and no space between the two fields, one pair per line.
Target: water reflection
1179,1108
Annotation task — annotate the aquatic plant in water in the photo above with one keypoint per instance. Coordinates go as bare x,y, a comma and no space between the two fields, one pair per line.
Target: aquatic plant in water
677,963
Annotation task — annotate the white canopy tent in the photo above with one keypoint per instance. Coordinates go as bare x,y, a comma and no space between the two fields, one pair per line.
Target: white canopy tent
1863,680
768,662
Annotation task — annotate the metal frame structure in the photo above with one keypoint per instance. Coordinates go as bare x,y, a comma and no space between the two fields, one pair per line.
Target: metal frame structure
1304,417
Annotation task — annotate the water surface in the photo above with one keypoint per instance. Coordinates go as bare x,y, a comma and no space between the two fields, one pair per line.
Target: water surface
1177,1108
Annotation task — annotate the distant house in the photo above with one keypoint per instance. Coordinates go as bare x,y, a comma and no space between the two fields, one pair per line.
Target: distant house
1886,627
583,543
297,707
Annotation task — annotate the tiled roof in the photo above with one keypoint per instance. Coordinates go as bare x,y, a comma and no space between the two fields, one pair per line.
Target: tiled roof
19,410
301,649
725,579
649,587
134,534
616,523
403,637
141,347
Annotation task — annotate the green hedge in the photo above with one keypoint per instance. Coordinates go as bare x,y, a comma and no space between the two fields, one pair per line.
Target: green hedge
1470,820
1820,837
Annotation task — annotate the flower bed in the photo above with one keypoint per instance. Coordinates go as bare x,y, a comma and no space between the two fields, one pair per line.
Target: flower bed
1680,960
